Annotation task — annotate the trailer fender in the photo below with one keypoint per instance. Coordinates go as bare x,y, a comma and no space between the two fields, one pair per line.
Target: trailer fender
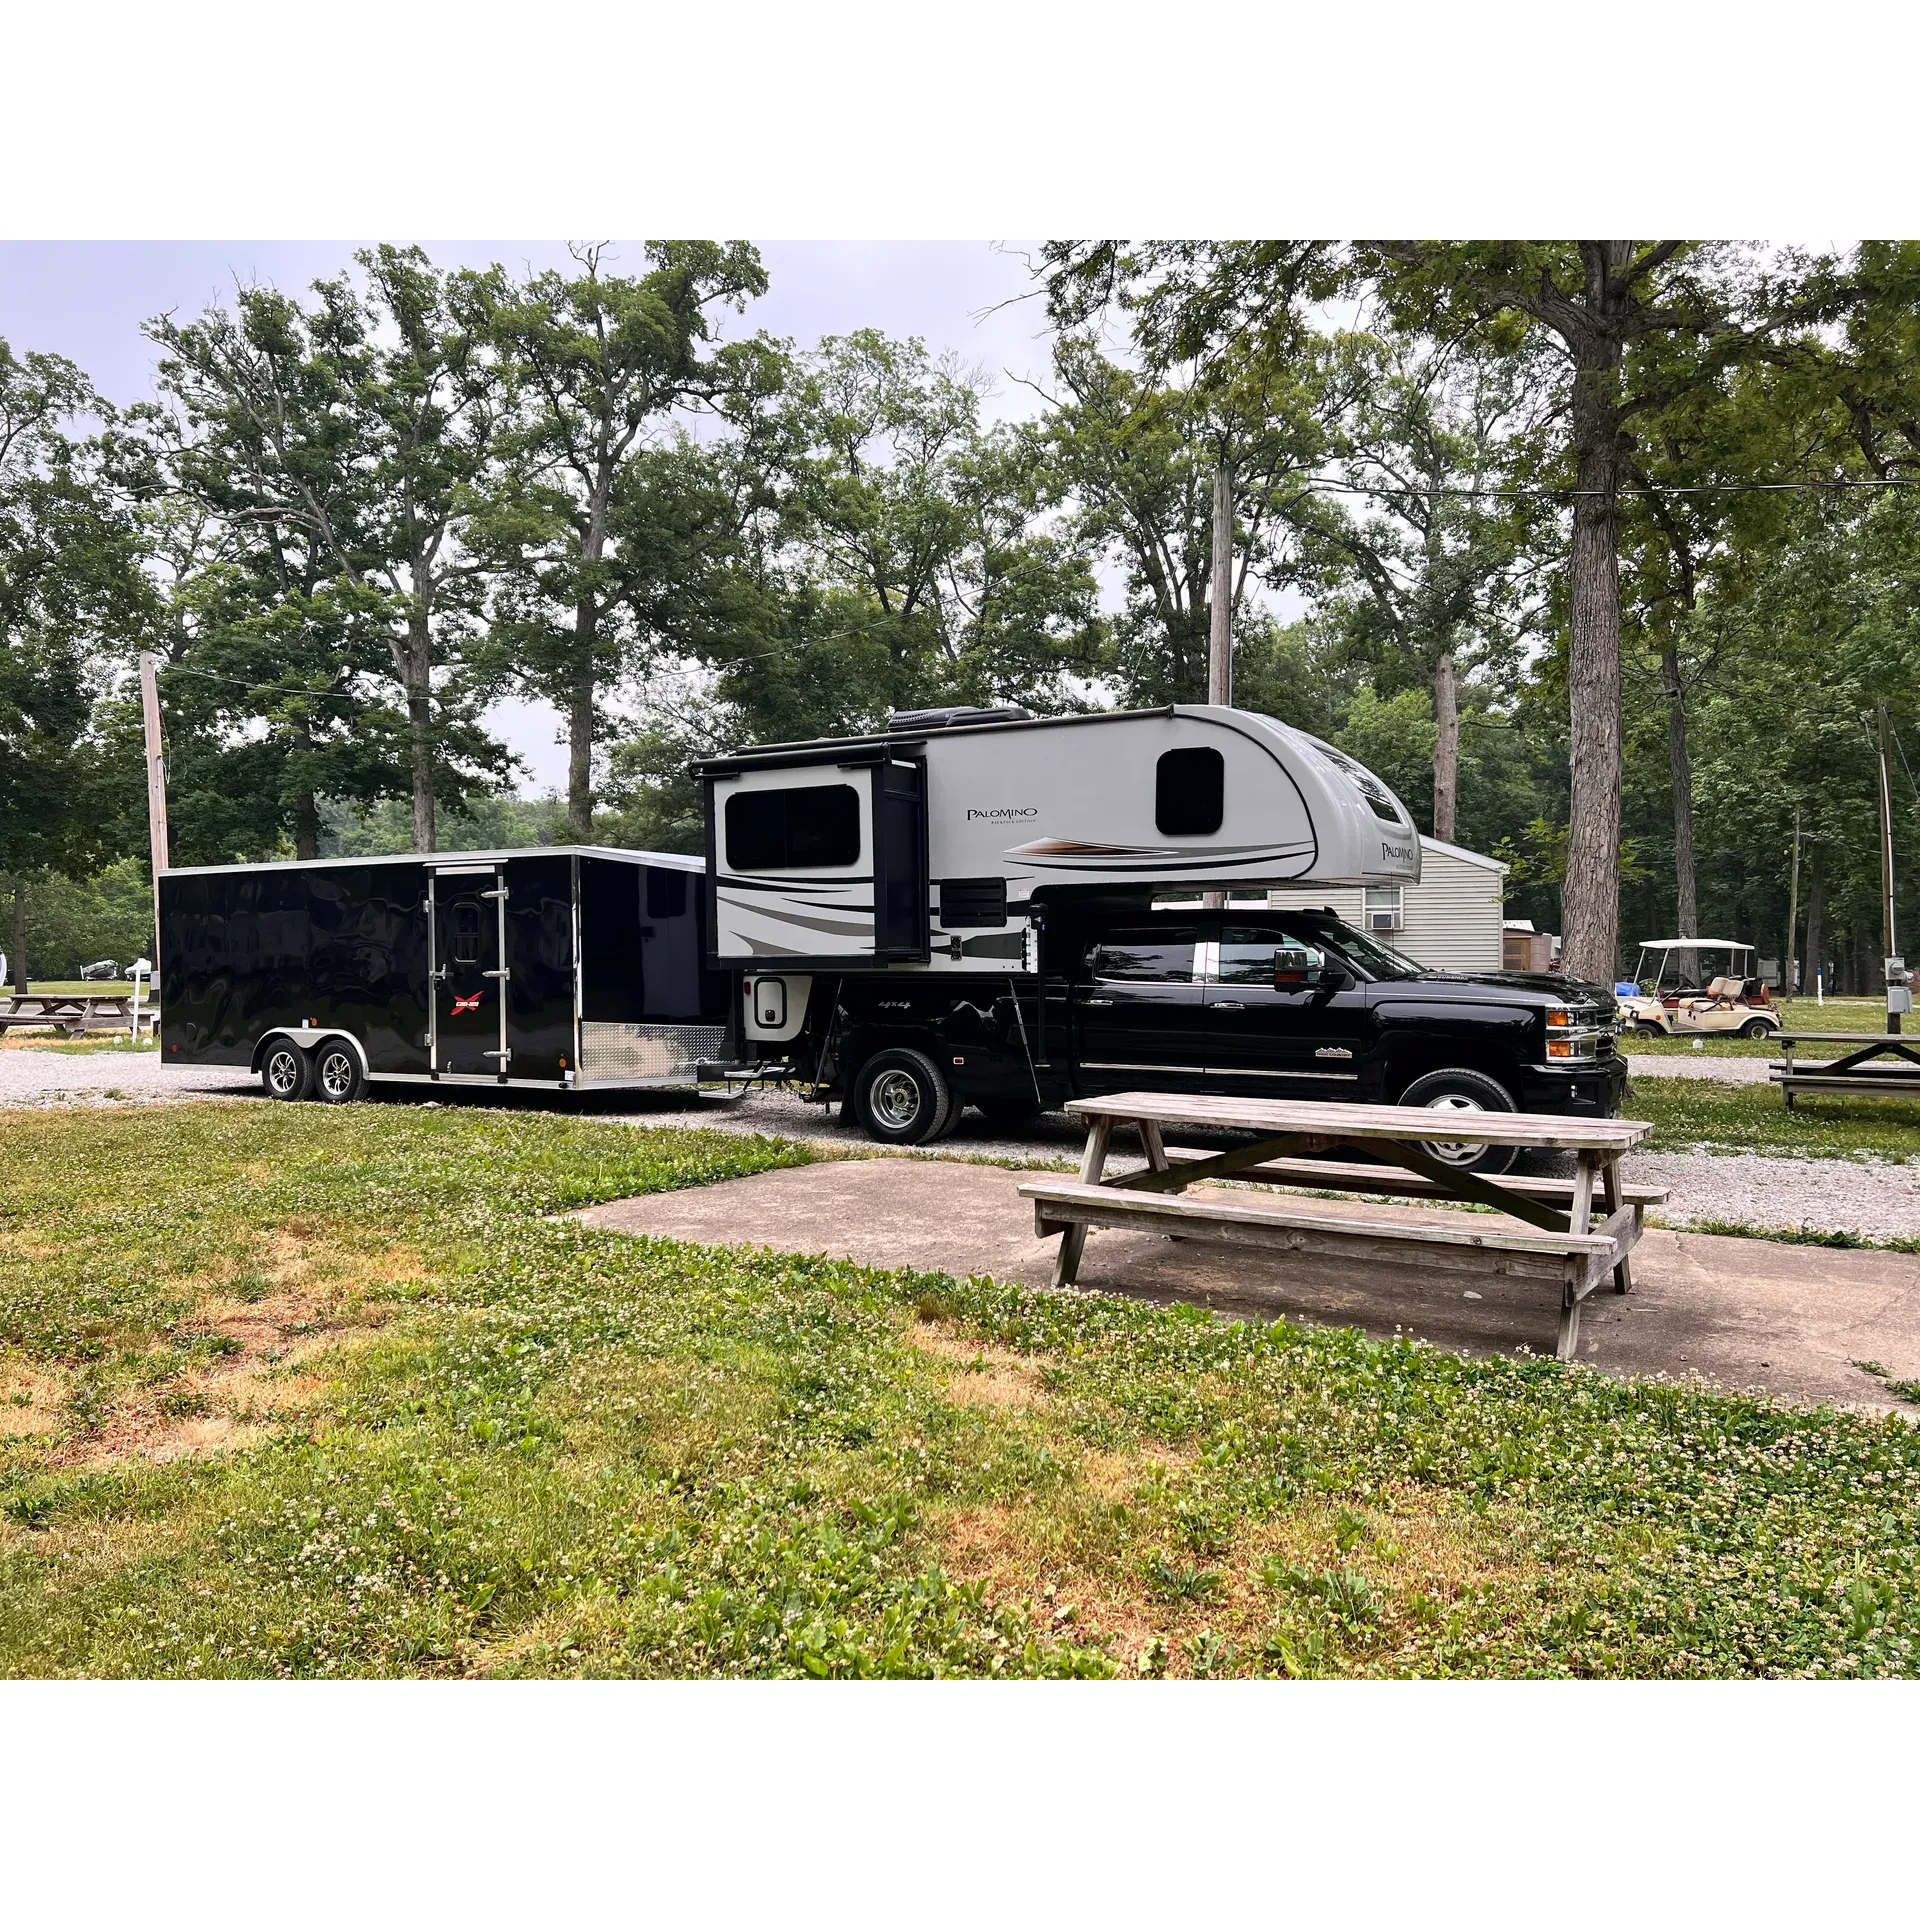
309,1038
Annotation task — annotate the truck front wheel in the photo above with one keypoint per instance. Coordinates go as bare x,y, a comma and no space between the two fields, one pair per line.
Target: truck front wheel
902,1098
1460,1090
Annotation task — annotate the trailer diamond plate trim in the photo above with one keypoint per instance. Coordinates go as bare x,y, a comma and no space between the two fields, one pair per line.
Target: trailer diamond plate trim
623,1050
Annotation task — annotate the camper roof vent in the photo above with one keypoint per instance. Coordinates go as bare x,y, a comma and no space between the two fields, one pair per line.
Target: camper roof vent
923,718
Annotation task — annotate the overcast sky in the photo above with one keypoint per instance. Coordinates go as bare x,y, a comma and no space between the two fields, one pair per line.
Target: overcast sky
86,300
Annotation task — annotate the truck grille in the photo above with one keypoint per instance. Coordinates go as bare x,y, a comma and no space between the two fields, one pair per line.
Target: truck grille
621,1050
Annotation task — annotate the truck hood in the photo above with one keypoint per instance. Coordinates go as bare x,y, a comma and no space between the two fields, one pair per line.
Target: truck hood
1498,984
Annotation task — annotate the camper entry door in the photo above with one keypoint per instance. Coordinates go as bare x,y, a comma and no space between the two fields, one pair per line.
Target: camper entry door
469,972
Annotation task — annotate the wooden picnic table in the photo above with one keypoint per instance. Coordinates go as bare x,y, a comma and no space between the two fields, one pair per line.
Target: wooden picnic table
1853,1072
70,1012
1554,1235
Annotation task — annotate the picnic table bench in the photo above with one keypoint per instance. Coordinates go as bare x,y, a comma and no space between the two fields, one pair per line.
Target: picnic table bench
1553,1235
1853,1072
71,1012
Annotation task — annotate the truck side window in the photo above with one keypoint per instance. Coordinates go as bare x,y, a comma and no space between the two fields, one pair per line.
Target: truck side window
1146,958
1255,957
793,827
1190,791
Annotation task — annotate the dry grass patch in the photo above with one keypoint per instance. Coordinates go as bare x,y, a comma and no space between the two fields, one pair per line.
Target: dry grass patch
979,1374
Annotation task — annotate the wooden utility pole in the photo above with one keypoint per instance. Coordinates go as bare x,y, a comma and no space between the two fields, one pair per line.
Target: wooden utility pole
1790,980
156,782
1220,627
1888,944
1220,609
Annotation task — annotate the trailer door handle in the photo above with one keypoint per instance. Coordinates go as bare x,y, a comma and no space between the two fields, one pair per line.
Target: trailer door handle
497,973
497,1053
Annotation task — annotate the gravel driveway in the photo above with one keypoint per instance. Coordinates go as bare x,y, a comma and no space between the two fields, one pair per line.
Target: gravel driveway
1871,1198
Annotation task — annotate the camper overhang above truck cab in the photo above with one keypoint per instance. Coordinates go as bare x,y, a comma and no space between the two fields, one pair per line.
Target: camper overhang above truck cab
930,845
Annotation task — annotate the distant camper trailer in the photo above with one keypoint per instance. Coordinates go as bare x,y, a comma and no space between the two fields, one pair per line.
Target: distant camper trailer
551,967
930,846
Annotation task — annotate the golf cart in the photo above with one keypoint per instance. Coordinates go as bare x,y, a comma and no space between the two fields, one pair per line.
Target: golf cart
1698,987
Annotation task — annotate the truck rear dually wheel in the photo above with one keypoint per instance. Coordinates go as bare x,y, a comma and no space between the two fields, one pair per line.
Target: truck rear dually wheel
1461,1090
902,1098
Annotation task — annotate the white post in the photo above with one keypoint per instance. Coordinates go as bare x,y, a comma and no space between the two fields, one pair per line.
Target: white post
156,778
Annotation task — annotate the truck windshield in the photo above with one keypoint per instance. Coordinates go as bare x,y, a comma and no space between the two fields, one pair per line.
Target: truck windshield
1372,959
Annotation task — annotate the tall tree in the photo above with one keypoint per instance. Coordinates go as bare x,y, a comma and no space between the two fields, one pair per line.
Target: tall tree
352,435
598,364
70,590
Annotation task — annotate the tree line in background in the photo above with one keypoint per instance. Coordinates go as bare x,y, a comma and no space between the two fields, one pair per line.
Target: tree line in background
1601,553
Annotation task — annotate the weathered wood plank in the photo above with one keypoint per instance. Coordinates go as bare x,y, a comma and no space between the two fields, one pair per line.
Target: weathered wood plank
1355,1176
1358,1120
1066,1199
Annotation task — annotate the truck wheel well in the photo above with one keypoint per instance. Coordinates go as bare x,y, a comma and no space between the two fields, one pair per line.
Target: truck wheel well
1407,1064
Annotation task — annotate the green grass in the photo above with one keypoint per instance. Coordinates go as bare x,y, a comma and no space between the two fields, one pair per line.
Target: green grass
317,1392
1712,1113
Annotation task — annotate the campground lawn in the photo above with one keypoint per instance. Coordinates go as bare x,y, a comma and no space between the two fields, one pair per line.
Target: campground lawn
312,1391
1755,1119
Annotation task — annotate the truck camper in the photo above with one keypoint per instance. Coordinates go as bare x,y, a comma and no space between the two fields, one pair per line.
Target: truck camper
560,968
971,908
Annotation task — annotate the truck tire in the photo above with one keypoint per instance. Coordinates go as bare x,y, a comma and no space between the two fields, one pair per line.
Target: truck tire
1462,1090
336,1074
902,1098
286,1072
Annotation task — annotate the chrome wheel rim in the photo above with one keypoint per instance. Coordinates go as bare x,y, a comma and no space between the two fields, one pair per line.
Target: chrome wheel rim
895,1099
1456,1153
336,1075
283,1072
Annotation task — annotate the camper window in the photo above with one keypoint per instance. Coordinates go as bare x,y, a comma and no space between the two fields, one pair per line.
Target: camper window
667,891
793,827
1143,957
1190,791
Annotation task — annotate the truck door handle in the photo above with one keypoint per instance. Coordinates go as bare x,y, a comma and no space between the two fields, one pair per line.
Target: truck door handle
1096,1003
1226,1006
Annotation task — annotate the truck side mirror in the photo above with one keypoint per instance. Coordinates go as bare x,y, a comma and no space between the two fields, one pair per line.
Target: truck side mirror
1298,969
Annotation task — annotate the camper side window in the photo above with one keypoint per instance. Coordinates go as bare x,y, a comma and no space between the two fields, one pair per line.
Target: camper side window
1190,791
793,827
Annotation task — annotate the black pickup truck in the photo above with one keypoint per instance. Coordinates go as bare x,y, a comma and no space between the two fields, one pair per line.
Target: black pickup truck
1281,1004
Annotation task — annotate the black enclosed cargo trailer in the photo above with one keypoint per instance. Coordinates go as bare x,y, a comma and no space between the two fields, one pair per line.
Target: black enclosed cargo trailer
551,967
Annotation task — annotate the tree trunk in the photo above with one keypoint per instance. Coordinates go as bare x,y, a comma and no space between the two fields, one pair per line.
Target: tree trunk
419,665
1680,772
1590,897
580,744
1446,748
306,808
17,960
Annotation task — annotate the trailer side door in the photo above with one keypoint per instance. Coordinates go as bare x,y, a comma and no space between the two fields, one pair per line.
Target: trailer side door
469,973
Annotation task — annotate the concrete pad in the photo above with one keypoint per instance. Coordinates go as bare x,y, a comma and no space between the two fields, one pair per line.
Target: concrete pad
1754,1315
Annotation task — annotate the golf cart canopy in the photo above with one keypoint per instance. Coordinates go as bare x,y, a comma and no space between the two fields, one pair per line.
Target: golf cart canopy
1667,965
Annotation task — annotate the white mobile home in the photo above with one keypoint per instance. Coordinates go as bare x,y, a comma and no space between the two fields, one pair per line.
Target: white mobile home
931,845
1449,917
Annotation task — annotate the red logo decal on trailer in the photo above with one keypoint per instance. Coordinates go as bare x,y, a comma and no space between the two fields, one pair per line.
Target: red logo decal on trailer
466,1003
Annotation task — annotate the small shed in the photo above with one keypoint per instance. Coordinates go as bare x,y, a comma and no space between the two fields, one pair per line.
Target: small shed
1451,917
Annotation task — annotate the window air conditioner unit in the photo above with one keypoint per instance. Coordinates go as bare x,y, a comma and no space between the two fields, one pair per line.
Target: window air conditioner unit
1385,920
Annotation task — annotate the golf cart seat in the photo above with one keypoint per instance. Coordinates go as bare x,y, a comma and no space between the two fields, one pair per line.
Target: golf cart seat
1723,987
